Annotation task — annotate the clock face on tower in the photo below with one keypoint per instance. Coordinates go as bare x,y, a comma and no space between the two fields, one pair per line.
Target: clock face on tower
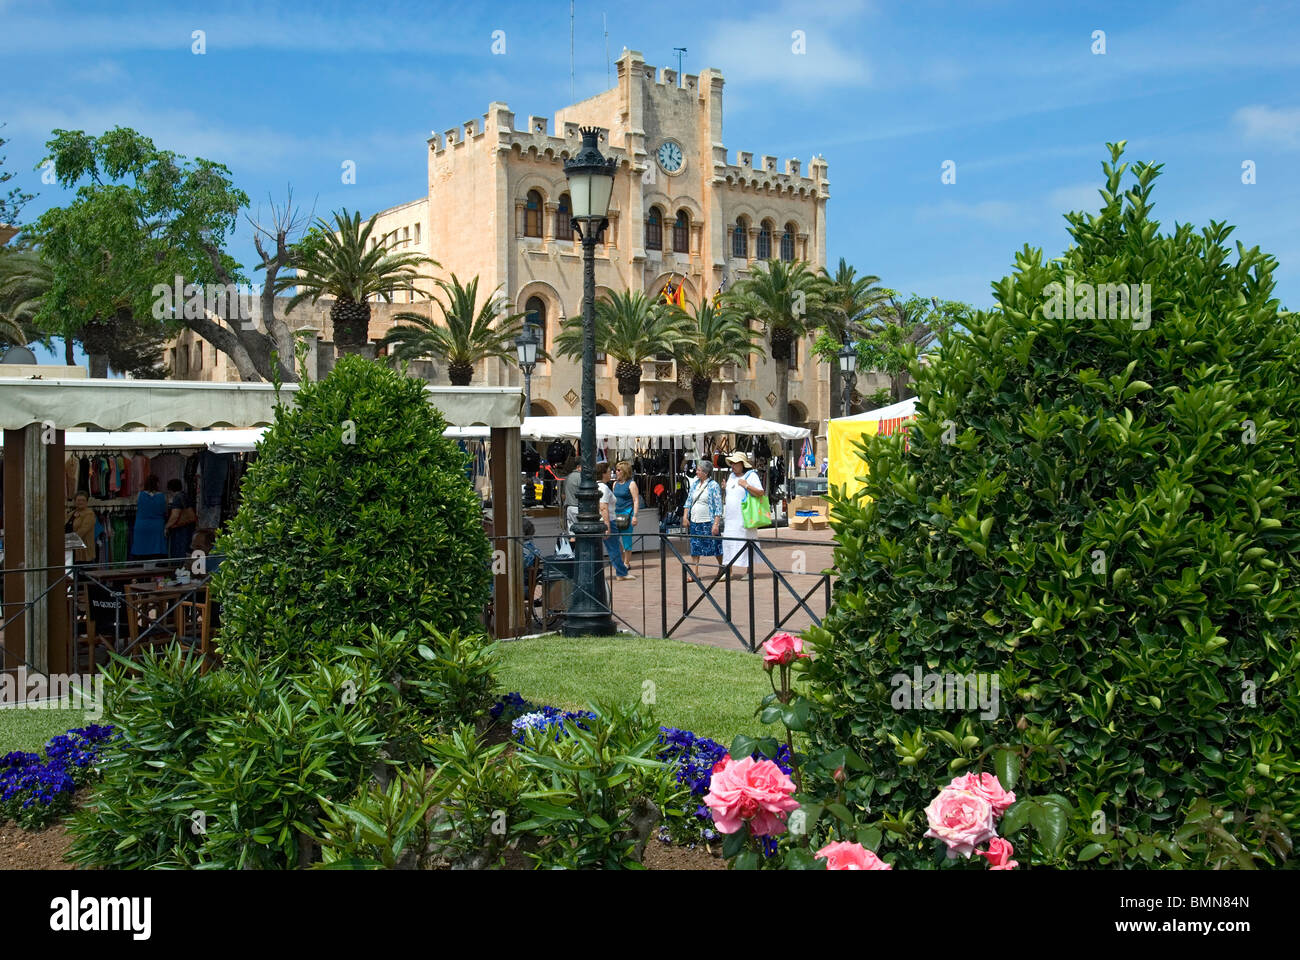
670,156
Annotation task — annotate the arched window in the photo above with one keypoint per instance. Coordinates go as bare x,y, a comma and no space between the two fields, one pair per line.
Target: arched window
765,241
564,219
740,239
682,232
654,230
535,313
533,215
787,242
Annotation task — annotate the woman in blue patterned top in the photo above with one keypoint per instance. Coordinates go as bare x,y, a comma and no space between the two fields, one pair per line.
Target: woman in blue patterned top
703,514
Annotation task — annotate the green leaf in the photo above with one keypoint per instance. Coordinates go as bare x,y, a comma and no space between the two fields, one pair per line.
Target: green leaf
1016,816
733,843
746,860
1091,852
742,746
1007,764
1050,820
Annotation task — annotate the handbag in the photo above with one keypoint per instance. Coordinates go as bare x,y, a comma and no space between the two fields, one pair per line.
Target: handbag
188,517
623,521
563,548
756,511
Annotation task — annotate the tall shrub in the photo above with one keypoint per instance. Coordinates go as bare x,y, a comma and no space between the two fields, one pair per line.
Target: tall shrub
1103,512
357,512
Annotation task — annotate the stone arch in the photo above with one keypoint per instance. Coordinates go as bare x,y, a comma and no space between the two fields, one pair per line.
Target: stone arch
606,409
548,187
750,409
680,406
671,205
798,414
542,408
554,307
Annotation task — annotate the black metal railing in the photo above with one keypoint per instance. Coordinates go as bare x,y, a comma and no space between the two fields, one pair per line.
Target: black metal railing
723,598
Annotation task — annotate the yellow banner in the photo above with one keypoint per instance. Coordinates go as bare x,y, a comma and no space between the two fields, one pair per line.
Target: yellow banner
845,465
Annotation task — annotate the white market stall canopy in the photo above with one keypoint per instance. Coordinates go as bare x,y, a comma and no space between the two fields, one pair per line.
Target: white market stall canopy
218,441
644,426
162,405
904,408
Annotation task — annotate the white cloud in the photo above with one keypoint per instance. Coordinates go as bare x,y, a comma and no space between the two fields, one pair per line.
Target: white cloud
998,213
1079,196
761,50
1270,125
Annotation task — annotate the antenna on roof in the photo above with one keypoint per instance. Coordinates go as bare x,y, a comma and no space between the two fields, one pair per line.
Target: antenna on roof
605,21
570,51
681,52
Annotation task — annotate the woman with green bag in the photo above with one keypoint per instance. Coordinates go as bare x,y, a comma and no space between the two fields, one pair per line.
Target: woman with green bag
742,485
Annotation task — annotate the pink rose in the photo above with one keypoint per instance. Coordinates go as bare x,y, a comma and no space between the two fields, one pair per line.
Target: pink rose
783,648
961,819
988,786
999,854
851,856
721,764
751,790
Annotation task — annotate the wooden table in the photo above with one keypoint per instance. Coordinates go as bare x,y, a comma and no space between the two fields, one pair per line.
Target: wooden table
144,598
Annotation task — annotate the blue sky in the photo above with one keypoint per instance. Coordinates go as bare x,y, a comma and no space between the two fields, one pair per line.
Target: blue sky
1011,92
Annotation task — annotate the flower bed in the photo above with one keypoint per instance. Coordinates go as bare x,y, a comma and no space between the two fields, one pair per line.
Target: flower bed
694,758
36,790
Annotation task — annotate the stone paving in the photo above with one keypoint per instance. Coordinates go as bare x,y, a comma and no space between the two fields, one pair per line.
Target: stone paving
642,606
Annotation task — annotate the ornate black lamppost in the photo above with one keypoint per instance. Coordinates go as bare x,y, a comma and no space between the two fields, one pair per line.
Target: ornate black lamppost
848,372
591,182
526,349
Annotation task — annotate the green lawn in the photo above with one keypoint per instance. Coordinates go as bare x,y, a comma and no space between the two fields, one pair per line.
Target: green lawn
710,691
30,729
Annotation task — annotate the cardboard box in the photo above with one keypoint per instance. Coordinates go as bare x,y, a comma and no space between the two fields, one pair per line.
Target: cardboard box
809,503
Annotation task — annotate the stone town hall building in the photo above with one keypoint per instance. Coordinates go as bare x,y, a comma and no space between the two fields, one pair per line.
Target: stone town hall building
682,211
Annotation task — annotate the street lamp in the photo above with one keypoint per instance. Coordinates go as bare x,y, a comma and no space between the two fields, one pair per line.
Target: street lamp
654,403
591,182
735,405
848,372
526,349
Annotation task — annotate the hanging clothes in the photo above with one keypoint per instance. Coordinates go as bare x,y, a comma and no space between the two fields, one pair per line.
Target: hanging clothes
167,467
140,470
213,471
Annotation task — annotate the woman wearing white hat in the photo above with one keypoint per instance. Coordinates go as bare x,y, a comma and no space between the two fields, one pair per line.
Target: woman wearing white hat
741,484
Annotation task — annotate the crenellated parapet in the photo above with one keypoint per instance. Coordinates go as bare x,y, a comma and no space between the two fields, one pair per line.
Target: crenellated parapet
497,128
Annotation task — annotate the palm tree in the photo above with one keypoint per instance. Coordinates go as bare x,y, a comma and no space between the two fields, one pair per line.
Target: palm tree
470,332
715,336
334,262
786,298
632,328
24,279
850,302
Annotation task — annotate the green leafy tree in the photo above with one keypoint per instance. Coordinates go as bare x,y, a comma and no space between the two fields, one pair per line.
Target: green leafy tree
849,303
470,331
141,218
337,262
713,336
785,298
632,328
356,513
1099,507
